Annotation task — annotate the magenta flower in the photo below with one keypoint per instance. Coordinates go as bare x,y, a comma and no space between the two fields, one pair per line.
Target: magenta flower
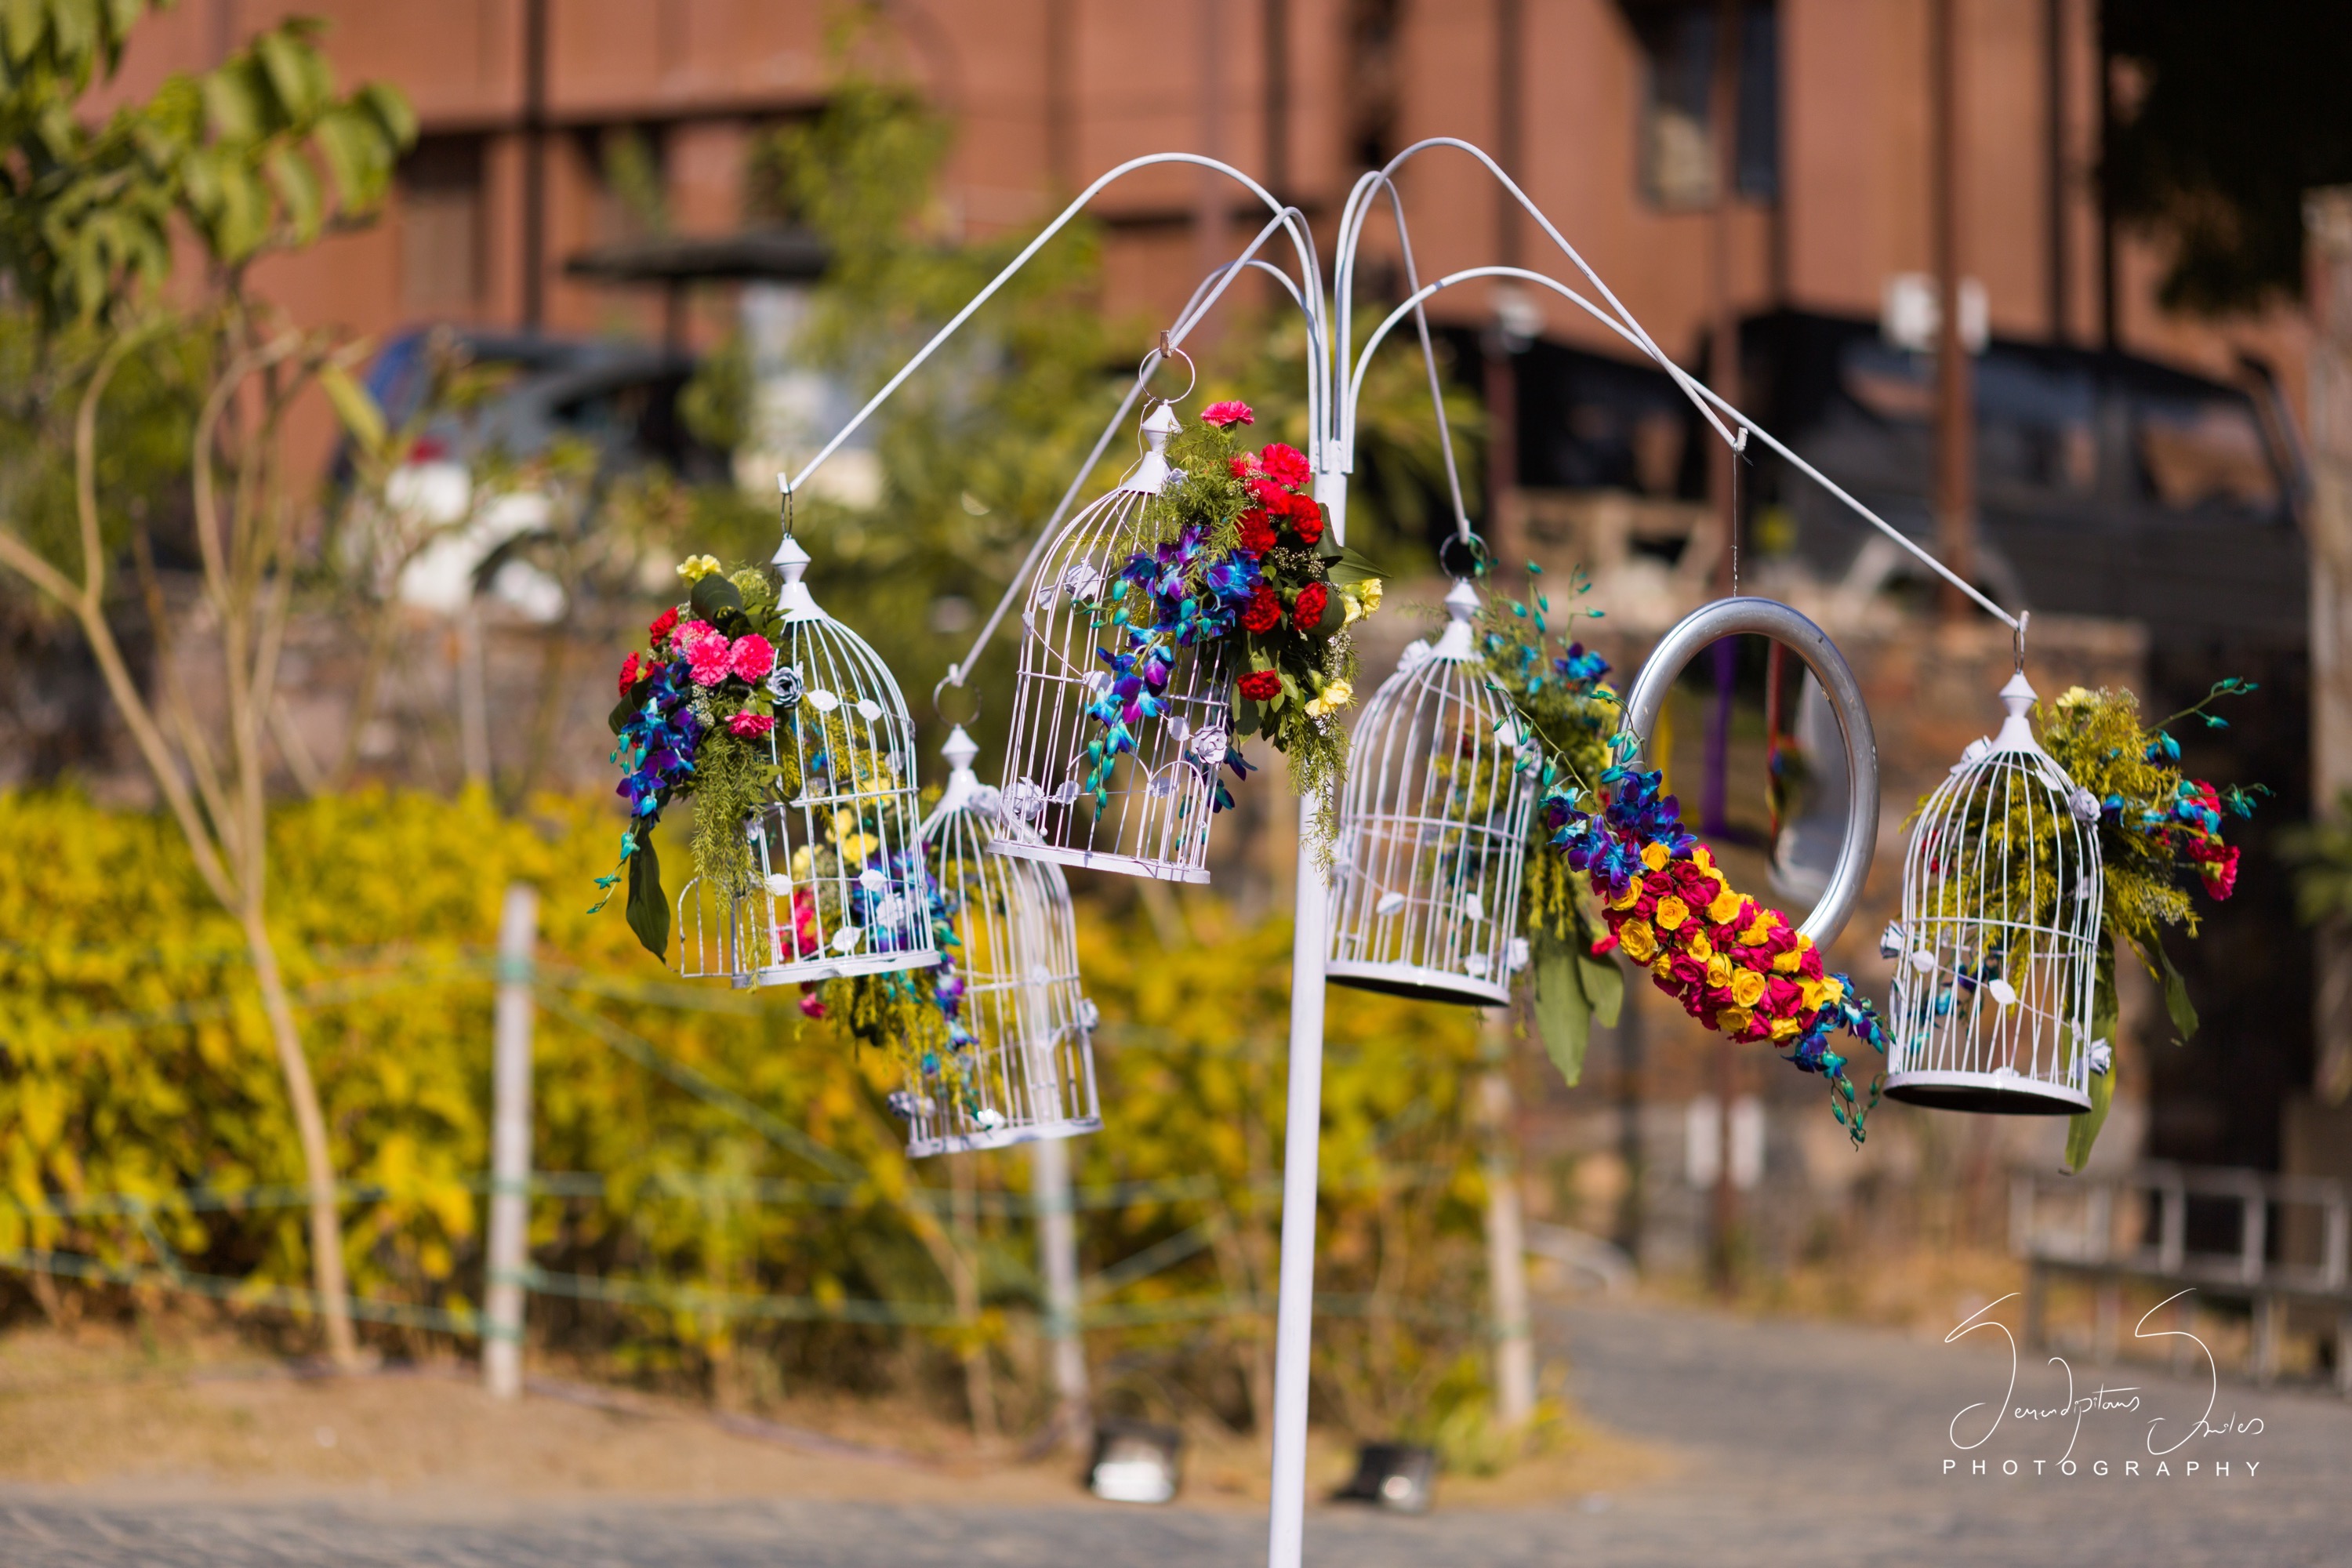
750,725
706,659
752,657
1225,415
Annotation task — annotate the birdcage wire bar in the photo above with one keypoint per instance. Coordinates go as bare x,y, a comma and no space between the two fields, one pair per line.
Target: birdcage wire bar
1031,1073
836,888
1432,840
1150,817
1995,972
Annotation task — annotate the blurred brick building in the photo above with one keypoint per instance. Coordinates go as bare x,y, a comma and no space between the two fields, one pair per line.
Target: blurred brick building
1600,108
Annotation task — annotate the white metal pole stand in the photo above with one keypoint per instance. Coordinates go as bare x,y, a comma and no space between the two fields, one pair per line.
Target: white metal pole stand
1334,384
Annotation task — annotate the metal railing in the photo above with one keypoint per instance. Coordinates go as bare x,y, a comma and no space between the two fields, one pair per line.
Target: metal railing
2288,1242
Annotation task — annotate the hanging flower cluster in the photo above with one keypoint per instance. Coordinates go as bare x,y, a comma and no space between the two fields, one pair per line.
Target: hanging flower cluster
1734,964
1244,562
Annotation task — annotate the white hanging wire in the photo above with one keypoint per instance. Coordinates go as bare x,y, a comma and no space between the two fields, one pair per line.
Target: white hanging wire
1289,220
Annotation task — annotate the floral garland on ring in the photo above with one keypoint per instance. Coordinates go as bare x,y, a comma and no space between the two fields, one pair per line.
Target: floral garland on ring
1735,965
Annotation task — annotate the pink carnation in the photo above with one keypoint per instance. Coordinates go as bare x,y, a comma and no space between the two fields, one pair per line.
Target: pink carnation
749,725
753,656
695,632
1225,415
706,659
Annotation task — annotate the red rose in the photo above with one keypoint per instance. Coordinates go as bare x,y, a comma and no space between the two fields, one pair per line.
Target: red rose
1269,495
1306,518
1781,997
1810,965
1259,685
1602,946
1308,610
1264,611
1258,531
628,673
664,623
1284,465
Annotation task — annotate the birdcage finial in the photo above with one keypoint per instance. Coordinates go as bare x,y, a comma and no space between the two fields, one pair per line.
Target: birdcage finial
2016,730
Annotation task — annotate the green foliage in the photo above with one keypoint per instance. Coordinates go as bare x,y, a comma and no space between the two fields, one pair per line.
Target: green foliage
138,1062
2321,852
236,155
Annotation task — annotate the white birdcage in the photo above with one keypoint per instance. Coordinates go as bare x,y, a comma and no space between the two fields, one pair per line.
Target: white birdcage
1029,1071
1996,955
1067,798
1432,829
837,886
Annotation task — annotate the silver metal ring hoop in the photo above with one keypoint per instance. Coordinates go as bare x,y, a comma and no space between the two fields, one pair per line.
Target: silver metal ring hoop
1771,618
954,678
1167,351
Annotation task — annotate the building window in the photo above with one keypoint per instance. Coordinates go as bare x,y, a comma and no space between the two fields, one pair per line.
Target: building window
1678,43
441,226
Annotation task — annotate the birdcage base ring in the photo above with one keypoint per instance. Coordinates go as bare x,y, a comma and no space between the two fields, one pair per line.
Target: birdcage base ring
1986,1094
1418,983
817,971
1094,860
1002,1137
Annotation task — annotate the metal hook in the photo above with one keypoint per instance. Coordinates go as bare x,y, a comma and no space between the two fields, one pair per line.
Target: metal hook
2022,617
1168,351
954,676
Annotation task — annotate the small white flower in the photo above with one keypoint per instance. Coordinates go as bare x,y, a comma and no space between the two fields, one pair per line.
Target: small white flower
846,939
892,911
1090,1015
784,686
1066,792
990,1120
1475,964
1389,903
1471,909
2084,805
1208,745
1516,957
823,701
1082,579
1891,939
2002,991
1922,961
872,881
987,800
1161,787
870,709
2103,1058
780,885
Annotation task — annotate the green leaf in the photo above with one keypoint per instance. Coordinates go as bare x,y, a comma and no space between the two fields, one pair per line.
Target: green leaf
23,23
355,408
232,101
351,148
714,597
2083,1130
648,908
1563,1012
297,187
291,79
390,107
2176,995
1604,983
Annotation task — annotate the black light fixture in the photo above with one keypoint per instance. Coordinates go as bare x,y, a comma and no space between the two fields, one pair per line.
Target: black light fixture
1393,1476
1135,1461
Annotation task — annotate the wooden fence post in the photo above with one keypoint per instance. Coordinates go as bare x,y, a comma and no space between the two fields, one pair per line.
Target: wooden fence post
510,1145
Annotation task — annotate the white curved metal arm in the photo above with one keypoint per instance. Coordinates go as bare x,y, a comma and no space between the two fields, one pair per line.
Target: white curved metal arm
1706,396
1302,241
1771,618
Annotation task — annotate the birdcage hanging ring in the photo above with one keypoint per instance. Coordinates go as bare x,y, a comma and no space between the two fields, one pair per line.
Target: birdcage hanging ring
1020,1027
1771,618
1434,828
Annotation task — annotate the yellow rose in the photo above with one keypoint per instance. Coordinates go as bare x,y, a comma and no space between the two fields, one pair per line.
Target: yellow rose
1718,971
1784,1028
1369,590
1758,931
1671,914
695,568
1655,856
1785,963
1748,988
1640,943
1821,993
1725,908
1664,968
1334,697
1699,947
1731,1020
1630,897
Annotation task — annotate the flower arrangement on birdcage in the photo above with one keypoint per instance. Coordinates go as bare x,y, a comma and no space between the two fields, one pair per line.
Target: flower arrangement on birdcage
1241,556
793,744
1566,710
2156,828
